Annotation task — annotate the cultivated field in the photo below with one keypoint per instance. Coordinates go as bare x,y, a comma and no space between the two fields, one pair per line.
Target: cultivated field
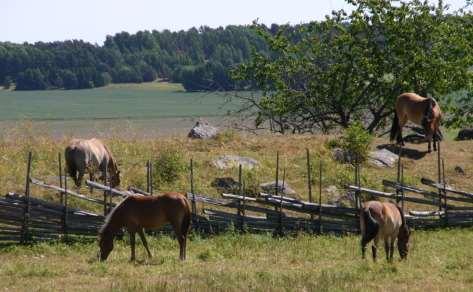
141,108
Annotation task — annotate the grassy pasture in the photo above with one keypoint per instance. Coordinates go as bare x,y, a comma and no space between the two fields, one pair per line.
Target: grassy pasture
439,261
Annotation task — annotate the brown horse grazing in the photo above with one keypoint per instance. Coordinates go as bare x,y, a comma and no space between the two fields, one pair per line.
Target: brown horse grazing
420,110
138,212
384,220
91,156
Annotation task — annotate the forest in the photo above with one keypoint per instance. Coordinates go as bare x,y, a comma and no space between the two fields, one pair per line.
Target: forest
200,59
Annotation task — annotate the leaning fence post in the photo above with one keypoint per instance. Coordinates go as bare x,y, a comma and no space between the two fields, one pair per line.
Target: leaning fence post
109,208
399,174
26,210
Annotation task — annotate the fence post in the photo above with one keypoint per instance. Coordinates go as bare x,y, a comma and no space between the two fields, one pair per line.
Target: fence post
109,208
402,189
61,194
399,174
147,177
64,220
26,210
439,174
444,192
309,185
151,177
194,207
320,197
105,194
240,192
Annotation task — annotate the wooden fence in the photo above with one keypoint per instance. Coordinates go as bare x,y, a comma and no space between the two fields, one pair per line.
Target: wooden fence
24,218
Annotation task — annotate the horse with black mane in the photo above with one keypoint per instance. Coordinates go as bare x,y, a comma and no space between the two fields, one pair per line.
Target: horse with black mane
423,111
384,221
138,212
92,156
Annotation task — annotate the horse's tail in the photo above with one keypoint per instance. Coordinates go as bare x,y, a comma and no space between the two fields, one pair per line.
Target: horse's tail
371,227
394,127
186,220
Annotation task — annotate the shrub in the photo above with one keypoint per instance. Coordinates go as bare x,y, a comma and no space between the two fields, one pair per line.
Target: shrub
356,141
168,167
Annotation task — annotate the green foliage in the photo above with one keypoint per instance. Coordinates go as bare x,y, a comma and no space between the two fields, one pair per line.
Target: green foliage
459,112
352,65
31,79
356,141
168,167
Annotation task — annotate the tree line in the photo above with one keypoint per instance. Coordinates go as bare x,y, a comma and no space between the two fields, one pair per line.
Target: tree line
200,59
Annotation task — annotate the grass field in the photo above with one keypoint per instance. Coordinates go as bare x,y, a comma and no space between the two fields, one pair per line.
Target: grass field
439,261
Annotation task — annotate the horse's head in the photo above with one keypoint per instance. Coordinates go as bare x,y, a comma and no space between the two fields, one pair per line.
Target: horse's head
105,244
115,178
403,241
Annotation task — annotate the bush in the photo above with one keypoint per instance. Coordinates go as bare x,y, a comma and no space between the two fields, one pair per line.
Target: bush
168,167
356,141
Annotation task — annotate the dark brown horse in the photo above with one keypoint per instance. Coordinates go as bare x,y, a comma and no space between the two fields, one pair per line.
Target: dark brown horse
91,156
423,111
138,212
384,221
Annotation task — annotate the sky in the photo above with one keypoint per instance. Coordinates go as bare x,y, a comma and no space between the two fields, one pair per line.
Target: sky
92,20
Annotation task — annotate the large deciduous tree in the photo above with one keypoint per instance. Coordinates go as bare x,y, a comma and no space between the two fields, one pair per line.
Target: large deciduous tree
352,66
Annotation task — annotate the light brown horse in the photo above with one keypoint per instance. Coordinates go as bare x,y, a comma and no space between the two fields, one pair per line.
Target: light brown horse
91,156
384,221
423,111
138,212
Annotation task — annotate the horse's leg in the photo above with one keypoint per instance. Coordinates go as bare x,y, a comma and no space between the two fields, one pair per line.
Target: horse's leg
80,175
91,178
430,147
132,243
386,248
374,248
391,254
143,239
402,123
364,243
181,238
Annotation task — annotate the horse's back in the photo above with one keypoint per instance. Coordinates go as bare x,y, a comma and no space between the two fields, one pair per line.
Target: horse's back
409,105
154,211
93,151
386,214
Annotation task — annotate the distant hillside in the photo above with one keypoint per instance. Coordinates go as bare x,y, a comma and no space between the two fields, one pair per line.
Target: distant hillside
197,58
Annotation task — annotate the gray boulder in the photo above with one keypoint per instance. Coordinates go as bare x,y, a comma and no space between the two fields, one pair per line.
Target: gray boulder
270,187
465,134
230,161
382,158
202,130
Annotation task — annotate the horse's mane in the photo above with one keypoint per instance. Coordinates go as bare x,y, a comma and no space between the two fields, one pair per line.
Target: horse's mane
108,218
110,155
